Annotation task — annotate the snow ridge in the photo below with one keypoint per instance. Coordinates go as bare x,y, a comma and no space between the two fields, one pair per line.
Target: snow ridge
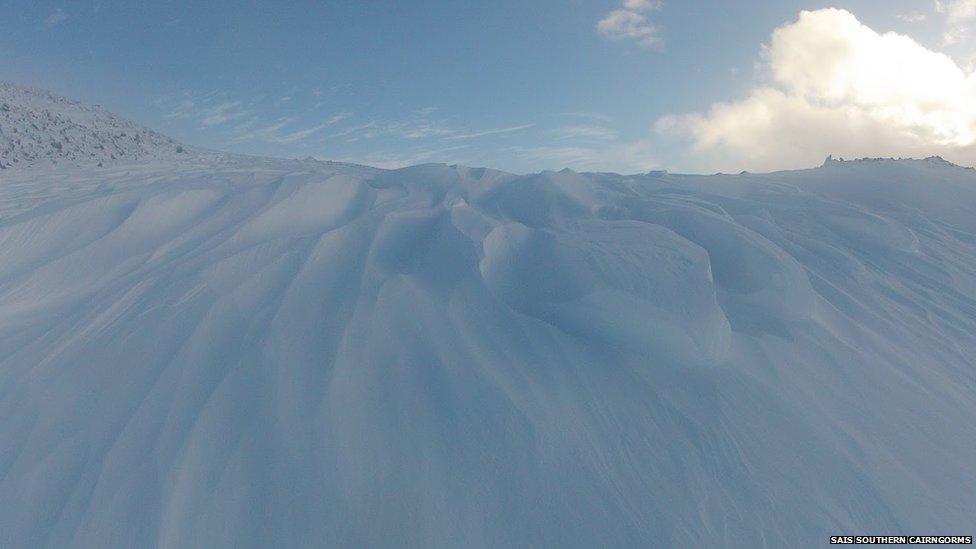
41,128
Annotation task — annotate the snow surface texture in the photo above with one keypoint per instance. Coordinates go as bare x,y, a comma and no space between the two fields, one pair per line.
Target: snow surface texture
256,353
40,128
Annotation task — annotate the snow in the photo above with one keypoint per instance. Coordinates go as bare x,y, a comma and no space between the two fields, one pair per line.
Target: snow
231,351
39,128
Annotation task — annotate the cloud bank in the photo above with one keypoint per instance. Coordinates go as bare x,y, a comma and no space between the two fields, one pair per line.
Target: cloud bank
838,87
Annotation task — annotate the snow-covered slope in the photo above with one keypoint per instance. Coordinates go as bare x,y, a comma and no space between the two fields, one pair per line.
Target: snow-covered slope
40,128
259,353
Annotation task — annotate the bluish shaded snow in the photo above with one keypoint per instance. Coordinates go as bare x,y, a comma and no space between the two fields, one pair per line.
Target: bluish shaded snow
233,352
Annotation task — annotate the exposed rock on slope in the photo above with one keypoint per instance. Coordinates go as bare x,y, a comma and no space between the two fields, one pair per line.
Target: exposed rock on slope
38,127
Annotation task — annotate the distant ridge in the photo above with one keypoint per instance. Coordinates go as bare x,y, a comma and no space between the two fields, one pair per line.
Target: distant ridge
937,159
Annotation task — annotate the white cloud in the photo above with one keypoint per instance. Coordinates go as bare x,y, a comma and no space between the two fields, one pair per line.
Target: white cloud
630,157
838,87
641,5
631,23
959,15
56,17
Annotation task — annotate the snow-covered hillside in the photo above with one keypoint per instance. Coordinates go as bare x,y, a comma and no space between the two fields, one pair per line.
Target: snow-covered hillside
40,128
255,353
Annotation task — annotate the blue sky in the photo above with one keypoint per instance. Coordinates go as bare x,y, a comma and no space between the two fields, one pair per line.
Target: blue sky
518,85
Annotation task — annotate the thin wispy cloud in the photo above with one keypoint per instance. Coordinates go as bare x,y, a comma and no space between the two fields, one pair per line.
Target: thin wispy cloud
631,22
423,134
632,156
587,132
56,17
282,132
243,121
299,135
914,17
589,116
959,17
410,157
559,156
420,131
421,126
223,113
250,131
366,130
336,118
181,109
495,131
418,125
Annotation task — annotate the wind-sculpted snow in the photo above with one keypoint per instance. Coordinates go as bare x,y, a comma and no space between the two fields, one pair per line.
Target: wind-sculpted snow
252,353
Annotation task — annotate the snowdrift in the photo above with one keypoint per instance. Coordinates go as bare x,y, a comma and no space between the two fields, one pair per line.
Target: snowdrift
254,353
